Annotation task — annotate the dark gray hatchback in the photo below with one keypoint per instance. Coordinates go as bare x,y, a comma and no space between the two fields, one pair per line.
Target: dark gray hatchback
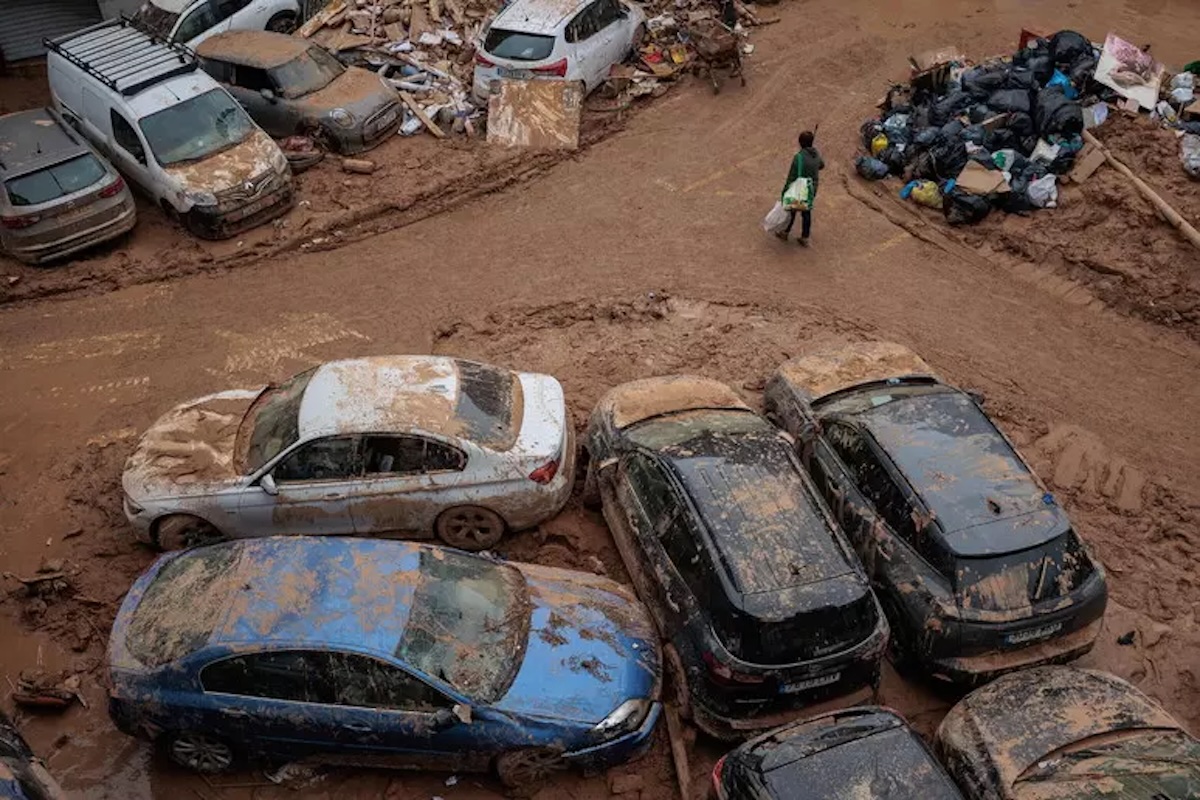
59,195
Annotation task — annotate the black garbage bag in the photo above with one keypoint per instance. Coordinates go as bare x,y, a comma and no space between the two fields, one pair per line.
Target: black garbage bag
1021,125
1066,46
927,137
979,112
952,129
984,158
1055,114
949,107
1021,78
871,168
1042,67
947,159
1023,173
1082,72
964,208
894,157
981,82
869,130
1010,100
975,134
1063,163
1001,139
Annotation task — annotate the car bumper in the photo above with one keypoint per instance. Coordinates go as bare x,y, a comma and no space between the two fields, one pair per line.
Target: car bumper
139,520
61,248
618,751
208,223
546,501
728,728
980,669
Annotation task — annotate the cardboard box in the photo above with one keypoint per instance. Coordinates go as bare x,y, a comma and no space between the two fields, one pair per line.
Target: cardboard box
978,179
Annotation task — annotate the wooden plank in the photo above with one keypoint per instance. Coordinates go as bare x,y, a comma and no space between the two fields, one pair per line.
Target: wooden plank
418,23
435,11
318,20
456,11
683,772
425,120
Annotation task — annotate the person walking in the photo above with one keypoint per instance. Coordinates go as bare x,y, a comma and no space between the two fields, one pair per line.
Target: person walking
807,163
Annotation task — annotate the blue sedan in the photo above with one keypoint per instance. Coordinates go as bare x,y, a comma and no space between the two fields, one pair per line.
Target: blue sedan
382,653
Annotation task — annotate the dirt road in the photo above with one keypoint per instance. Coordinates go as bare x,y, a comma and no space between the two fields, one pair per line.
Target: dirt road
641,257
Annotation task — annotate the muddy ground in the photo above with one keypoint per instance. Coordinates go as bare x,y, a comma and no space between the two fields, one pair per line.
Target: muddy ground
642,256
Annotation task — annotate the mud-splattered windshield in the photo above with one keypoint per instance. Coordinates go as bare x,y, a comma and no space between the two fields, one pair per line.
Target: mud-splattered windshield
196,128
1145,765
273,422
1017,580
311,71
468,625
490,405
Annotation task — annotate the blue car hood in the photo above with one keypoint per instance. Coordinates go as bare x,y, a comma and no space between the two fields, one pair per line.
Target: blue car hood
591,647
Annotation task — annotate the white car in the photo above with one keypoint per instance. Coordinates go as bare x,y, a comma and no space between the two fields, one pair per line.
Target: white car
192,21
420,445
579,40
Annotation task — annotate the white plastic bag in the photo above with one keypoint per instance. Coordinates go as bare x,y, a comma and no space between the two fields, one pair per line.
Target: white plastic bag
776,219
1043,192
1189,152
1184,80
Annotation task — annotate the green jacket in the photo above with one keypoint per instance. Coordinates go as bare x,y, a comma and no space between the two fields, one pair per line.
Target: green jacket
808,164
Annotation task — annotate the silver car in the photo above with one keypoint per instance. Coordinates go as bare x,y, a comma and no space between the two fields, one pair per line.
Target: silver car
60,196
420,445
289,86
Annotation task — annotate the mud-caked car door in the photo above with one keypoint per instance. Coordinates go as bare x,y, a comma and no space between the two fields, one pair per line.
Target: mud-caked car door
407,481
311,490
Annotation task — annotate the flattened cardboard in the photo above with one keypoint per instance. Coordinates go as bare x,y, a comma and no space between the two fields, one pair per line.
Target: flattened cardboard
978,179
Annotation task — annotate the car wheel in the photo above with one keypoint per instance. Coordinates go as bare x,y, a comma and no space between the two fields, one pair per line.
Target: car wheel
470,527
283,22
524,771
179,531
677,691
200,752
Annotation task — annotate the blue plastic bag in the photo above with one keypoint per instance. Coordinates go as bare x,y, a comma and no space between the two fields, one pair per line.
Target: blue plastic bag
1063,82
871,168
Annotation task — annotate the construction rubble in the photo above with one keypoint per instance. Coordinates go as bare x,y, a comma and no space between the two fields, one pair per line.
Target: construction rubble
971,137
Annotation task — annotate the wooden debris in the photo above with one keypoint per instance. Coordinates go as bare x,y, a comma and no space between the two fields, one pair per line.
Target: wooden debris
322,18
359,166
679,754
421,115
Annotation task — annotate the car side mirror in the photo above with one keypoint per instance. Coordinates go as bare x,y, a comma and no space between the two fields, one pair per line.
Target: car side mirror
267,482
267,95
444,719
977,397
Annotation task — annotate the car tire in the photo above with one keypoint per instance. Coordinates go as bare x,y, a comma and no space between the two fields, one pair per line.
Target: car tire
180,531
469,527
200,752
283,22
525,772
676,689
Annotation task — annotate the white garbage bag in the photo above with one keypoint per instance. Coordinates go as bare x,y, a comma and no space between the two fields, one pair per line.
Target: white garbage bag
776,219
1043,192
1189,152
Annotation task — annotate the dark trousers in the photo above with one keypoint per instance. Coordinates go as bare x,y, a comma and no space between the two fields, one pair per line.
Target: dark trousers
805,223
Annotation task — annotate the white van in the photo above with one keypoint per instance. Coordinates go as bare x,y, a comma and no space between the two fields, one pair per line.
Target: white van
169,128
193,21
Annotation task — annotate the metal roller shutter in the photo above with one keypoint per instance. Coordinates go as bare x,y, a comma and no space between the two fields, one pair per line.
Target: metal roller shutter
24,23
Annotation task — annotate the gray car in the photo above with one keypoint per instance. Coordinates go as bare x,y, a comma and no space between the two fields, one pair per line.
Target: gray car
289,86
59,195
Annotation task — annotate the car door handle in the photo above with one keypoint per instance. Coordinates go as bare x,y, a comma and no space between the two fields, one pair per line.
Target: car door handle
357,727
235,712
334,496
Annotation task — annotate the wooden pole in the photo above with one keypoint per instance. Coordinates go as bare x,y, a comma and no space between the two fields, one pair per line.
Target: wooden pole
679,752
1171,215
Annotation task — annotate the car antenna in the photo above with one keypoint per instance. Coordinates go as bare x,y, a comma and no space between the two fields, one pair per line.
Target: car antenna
993,506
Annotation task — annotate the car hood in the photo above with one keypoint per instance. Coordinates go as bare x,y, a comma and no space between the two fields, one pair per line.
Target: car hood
591,647
245,161
357,90
189,448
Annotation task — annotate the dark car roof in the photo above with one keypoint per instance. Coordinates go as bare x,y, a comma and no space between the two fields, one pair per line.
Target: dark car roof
866,752
33,139
262,49
965,472
769,532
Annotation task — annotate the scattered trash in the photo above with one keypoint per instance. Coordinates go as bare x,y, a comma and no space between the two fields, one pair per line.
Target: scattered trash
926,193
49,691
359,166
1129,72
1189,153
963,208
452,780
542,114
1043,192
1126,639
295,774
871,168
301,152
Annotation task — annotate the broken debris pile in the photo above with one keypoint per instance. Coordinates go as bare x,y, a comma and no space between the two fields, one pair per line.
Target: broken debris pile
1001,134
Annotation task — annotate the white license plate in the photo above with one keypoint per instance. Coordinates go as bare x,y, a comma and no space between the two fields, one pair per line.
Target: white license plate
386,120
516,74
253,208
811,683
1033,634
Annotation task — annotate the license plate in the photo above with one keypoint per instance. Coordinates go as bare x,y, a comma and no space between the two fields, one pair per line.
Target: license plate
811,683
386,120
1033,634
252,209
74,214
517,74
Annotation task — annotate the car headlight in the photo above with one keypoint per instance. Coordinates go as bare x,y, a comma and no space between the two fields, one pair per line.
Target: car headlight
201,198
342,117
279,161
628,717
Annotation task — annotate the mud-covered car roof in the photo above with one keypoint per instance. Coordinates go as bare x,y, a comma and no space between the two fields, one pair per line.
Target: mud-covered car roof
856,752
829,371
966,472
441,396
640,400
33,139
537,16
1022,717
262,49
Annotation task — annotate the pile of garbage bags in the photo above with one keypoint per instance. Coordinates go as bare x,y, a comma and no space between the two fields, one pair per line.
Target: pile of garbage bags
1020,116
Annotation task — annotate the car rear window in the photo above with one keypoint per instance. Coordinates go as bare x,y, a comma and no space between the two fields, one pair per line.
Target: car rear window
490,404
56,181
1017,580
804,636
182,606
518,46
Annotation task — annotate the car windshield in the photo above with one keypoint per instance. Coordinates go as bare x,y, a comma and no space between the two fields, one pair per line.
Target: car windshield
54,182
490,404
469,623
152,18
1160,763
272,423
196,128
517,46
311,71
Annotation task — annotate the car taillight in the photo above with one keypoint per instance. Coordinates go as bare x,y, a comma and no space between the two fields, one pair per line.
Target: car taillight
545,473
716,777
721,673
113,188
16,223
558,68
479,59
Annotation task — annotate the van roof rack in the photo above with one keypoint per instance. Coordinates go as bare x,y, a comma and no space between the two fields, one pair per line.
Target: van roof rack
122,56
